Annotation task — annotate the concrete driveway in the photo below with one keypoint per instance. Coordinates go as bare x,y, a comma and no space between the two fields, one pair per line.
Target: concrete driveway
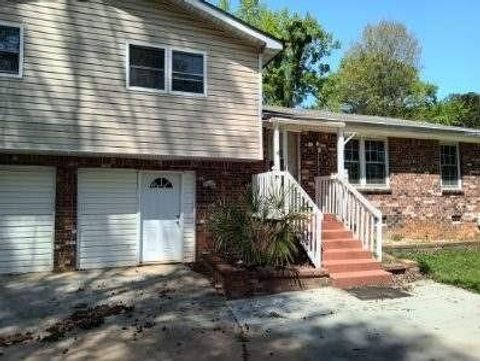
178,316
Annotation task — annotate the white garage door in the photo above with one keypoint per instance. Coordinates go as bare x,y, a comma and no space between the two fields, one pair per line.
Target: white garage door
108,218
27,219
124,223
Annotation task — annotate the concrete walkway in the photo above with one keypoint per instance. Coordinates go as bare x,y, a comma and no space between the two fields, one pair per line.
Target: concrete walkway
437,322
178,316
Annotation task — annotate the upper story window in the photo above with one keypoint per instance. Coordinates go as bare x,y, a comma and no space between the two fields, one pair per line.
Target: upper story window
147,67
11,50
366,162
450,166
188,72
166,70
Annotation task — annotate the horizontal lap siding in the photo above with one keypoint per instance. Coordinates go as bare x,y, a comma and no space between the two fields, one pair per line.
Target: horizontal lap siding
108,218
27,202
73,95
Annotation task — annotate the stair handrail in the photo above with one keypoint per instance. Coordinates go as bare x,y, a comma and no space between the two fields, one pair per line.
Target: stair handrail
337,196
268,183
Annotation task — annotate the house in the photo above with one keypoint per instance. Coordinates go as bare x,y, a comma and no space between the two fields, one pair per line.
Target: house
122,123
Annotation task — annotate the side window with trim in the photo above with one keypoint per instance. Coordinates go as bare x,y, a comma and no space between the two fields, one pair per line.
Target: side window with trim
146,67
450,167
11,50
188,72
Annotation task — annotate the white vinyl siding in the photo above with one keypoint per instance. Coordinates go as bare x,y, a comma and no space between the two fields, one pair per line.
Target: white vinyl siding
27,219
189,216
107,218
73,97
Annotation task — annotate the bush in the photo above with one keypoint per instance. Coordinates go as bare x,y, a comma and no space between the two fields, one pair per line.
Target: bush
255,232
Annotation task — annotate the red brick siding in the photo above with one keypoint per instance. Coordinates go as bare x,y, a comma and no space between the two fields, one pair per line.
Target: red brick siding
415,207
215,179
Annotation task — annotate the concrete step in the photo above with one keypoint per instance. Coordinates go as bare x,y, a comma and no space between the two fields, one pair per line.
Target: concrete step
351,265
361,278
342,243
336,234
345,254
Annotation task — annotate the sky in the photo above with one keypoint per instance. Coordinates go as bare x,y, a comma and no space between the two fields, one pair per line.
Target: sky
449,31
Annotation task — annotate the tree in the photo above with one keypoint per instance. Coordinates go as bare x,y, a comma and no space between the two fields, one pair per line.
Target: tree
299,71
225,5
457,109
379,75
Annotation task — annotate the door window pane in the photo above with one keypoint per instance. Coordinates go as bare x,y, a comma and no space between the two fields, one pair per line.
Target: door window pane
352,160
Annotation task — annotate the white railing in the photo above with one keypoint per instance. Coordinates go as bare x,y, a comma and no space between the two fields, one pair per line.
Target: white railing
335,195
282,185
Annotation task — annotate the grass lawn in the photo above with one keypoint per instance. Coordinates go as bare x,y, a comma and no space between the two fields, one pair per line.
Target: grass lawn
458,267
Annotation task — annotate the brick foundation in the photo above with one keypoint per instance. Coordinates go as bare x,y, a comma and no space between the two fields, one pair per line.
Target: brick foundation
215,179
415,207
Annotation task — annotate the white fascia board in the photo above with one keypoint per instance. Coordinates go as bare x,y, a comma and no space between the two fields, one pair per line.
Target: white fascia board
269,42
414,133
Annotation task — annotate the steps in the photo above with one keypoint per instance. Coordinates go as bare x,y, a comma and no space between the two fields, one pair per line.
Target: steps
348,264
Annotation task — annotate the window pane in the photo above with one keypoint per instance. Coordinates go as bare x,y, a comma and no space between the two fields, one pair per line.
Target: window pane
9,49
352,160
187,72
147,67
449,166
375,167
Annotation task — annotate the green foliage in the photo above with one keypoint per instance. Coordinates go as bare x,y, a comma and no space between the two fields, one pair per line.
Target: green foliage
258,232
379,75
298,72
460,267
225,5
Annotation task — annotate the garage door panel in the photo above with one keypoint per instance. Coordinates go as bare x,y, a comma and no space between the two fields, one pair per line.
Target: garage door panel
26,219
108,218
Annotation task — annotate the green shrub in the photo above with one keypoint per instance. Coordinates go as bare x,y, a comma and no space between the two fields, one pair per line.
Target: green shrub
256,232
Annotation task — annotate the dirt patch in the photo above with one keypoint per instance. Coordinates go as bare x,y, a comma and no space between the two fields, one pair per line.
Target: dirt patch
84,319
15,339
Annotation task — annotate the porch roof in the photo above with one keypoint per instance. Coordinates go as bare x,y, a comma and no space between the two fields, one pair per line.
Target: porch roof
373,125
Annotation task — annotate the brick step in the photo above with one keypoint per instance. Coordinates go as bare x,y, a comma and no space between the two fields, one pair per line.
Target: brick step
345,254
329,217
342,243
336,234
328,226
351,265
361,278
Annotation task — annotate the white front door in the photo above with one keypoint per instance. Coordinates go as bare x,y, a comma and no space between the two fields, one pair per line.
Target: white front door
161,217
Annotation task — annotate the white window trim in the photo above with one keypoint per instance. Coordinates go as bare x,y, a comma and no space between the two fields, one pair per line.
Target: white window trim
458,187
21,53
363,185
168,70
127,67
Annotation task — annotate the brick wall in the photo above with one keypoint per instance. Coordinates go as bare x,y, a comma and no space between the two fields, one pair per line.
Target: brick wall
415,207
215,179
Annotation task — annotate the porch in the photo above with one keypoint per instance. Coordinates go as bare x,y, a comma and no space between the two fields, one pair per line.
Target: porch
342,231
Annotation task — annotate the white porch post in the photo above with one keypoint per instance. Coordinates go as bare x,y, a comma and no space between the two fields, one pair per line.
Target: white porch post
276,147
341,152
285,150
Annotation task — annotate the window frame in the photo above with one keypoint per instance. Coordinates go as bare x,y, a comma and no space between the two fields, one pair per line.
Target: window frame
458,187
168,69
363,185
170,73
127,70
21,27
